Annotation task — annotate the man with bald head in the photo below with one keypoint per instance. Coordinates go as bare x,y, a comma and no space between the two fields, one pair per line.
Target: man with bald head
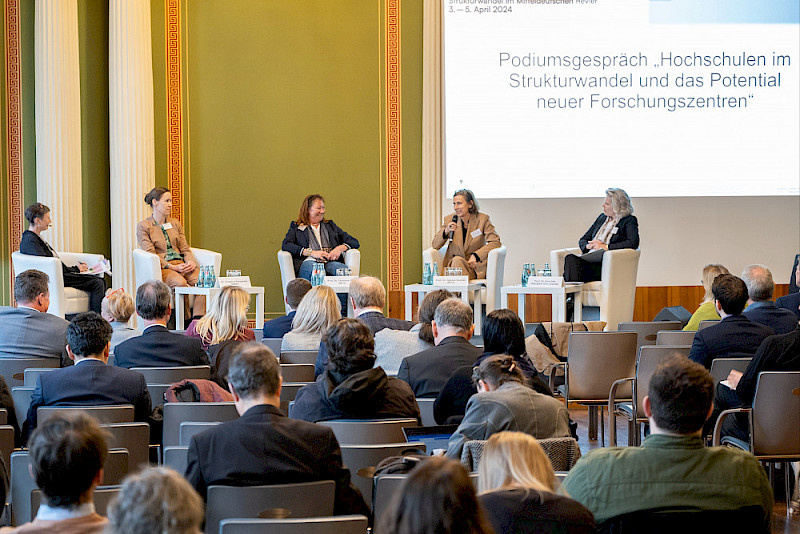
761,309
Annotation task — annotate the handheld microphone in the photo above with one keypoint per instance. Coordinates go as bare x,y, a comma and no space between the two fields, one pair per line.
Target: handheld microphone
450,236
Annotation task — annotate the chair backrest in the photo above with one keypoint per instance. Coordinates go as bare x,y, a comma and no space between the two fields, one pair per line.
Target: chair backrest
563,453
299,356
13,369
297,372
649,358
721,367
426,411
747,519
647,332
289,392
385,489
369,431
706,323
596,360
273,344
358,457
191,428
103,495
156,392
170,375
495,271
776,412
309,499
147,266
177,412
618,285
673,337
104,414
31,375
6,443
133,437
286,266
341,524
21,395
175,458
3,416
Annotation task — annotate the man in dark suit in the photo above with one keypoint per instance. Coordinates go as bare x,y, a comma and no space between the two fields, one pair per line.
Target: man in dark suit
90,382
28,331
427,371
295,291
368,297
735,336
263,446
761,308
157,346
791,301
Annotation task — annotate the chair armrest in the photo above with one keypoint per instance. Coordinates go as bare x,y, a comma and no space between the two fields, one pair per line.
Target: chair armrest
71,259
352,258
208,257
612,404
557,259
552,378
718,425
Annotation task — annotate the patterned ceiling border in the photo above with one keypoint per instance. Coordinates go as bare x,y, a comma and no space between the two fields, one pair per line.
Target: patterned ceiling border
175,179
13,124
394,169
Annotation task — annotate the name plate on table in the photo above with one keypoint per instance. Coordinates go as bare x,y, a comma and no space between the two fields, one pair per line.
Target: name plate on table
451,281
238,281
341,283
545,281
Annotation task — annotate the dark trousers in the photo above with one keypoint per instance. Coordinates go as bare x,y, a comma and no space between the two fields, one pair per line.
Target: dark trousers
94,285
735,425
576,269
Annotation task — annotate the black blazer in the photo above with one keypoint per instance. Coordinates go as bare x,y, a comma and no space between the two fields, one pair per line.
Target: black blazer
279,326
776,353
735,336
626,236
35,246
90,383
158,347
767,313
427,371
296,240
790,302
265,447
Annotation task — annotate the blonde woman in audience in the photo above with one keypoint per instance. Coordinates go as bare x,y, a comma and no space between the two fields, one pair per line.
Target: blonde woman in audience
318,311
117,308
226,319
518,485
706,311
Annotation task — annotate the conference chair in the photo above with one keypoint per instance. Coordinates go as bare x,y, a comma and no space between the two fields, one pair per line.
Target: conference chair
426,411
297,372
157,392
273,344
132,437
299,356
707,323
289,392
352,258
495,270
362,459
722,367
63,300
369,431
649,358
3,416
387,487
189,429
340,524
122,413
675,337
616,290
175,458
103,495
647,332
171,375
6,442
13,369
177,412
21,396
31,375
308,499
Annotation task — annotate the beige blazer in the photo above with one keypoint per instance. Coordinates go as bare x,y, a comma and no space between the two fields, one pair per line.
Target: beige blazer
480,244
151,239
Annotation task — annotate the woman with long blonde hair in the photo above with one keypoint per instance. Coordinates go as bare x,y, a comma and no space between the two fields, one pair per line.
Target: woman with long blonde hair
706,311
518,485
318,311
226,319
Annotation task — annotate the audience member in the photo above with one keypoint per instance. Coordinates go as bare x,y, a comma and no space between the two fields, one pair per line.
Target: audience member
735,336
117,308
67,454
391,346
295,291
350,387
427,371
263,446
226,319
28,331
157,346
761,309
672,468
90,382
791,301
706,311
156,501
518,489
503,402
318,310
437,497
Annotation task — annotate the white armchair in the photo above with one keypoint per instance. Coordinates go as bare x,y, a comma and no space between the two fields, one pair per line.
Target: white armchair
495,270
63,300
147,266
616,291
352,258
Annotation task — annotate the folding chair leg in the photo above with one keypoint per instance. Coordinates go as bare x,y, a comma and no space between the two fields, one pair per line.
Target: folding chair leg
592,422
787,468
633,433
602,428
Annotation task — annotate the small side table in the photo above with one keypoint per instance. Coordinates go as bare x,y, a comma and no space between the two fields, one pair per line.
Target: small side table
211,293
463,290
559,299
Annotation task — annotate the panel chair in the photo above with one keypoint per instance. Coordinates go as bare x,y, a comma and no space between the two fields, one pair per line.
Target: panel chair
675,337
13,369
352,258
147,266
648,331
297,372
308,499
594,361
177,412
495,271
649,358
362,459
303,357
31,375
170,375
773,420
122,413
369,431
721,367
341,524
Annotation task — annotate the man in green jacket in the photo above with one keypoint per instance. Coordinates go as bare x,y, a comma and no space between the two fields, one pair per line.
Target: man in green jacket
672,468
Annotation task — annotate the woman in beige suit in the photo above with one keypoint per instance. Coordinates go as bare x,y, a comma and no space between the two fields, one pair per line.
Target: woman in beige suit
473,236
162,235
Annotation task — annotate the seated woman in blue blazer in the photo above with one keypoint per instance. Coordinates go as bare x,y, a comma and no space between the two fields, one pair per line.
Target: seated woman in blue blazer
312,238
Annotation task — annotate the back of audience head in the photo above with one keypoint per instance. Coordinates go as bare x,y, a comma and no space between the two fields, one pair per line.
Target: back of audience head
731,293
515,460
318,310
367,292
153,300
156,500
254,371
437,497
226,317
680,396
117,306
427,309
758,280
495,371
503,333
88,334
351,347
29,286
67,453
454,317
295,291
710,272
